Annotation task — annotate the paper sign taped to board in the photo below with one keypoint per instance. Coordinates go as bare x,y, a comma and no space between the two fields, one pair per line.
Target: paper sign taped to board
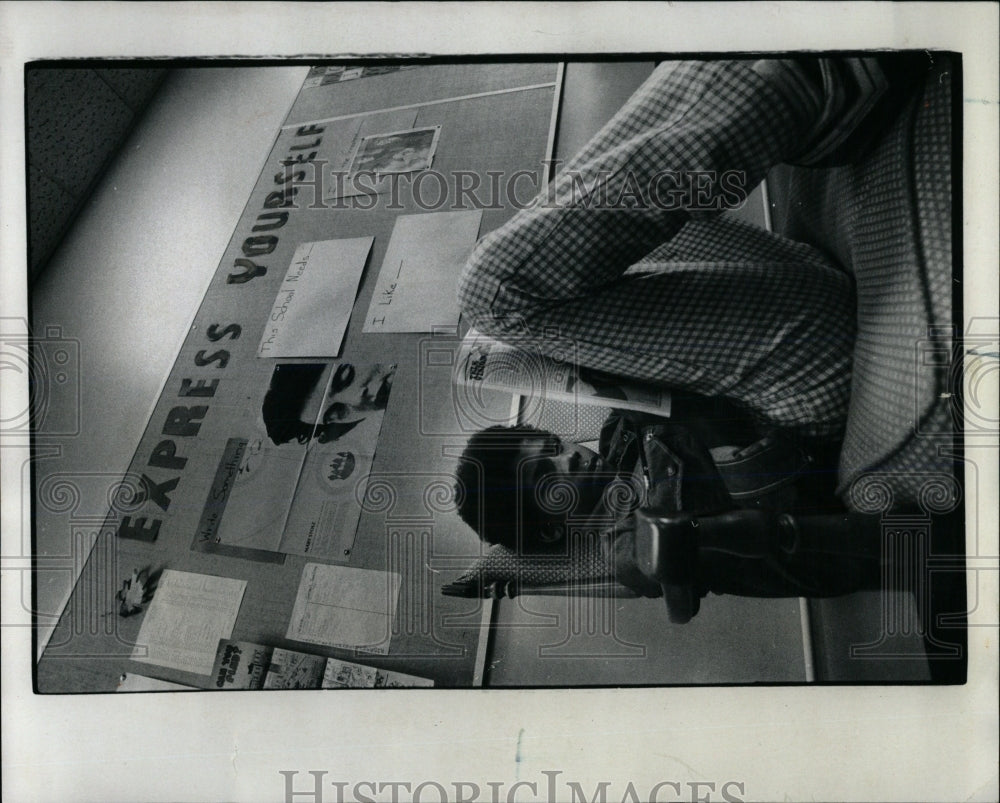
339,606
321,76
405,151
188,615
249,665
313,306
415,291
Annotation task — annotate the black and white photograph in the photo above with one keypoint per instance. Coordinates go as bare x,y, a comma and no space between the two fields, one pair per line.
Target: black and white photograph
708,454
396,152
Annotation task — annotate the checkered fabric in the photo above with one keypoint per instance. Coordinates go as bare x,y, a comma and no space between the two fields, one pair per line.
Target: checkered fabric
888,219
585,564
571,421
721,309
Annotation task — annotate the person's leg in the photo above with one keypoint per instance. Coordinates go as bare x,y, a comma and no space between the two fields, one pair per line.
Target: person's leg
767,321
774,330
807,556
689,116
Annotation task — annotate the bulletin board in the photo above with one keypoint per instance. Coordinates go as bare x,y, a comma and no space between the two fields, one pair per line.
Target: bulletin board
220,439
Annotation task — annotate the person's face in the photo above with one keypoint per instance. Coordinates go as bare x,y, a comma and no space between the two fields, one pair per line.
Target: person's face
548,462
351,397
351,392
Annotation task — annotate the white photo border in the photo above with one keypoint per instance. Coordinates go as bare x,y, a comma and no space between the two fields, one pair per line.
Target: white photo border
871,743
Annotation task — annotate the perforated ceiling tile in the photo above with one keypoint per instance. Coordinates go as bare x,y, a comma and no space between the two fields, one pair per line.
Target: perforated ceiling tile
133,86
75,120
49,212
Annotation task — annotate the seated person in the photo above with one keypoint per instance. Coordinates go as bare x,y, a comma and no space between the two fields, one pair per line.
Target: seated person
626,256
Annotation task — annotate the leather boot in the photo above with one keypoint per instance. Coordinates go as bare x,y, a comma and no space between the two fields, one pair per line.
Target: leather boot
756,553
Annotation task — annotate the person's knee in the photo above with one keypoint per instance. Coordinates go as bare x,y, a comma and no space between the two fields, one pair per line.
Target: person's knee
488,307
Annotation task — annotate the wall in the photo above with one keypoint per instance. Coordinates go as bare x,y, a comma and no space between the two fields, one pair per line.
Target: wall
142,251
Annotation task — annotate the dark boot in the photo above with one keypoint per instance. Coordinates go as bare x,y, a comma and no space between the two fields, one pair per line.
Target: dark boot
793,556
756,553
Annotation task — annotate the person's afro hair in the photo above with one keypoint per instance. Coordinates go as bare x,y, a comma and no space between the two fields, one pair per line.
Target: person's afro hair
490,498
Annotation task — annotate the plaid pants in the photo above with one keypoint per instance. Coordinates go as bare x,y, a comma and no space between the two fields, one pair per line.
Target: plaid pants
625,257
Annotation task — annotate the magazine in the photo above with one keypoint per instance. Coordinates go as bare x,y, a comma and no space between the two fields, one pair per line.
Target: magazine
241,664
246,665
489,363
291,669
348,675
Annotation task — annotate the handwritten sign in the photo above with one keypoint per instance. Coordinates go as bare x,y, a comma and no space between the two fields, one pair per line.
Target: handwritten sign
337,606
313,305
188,616
415,291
